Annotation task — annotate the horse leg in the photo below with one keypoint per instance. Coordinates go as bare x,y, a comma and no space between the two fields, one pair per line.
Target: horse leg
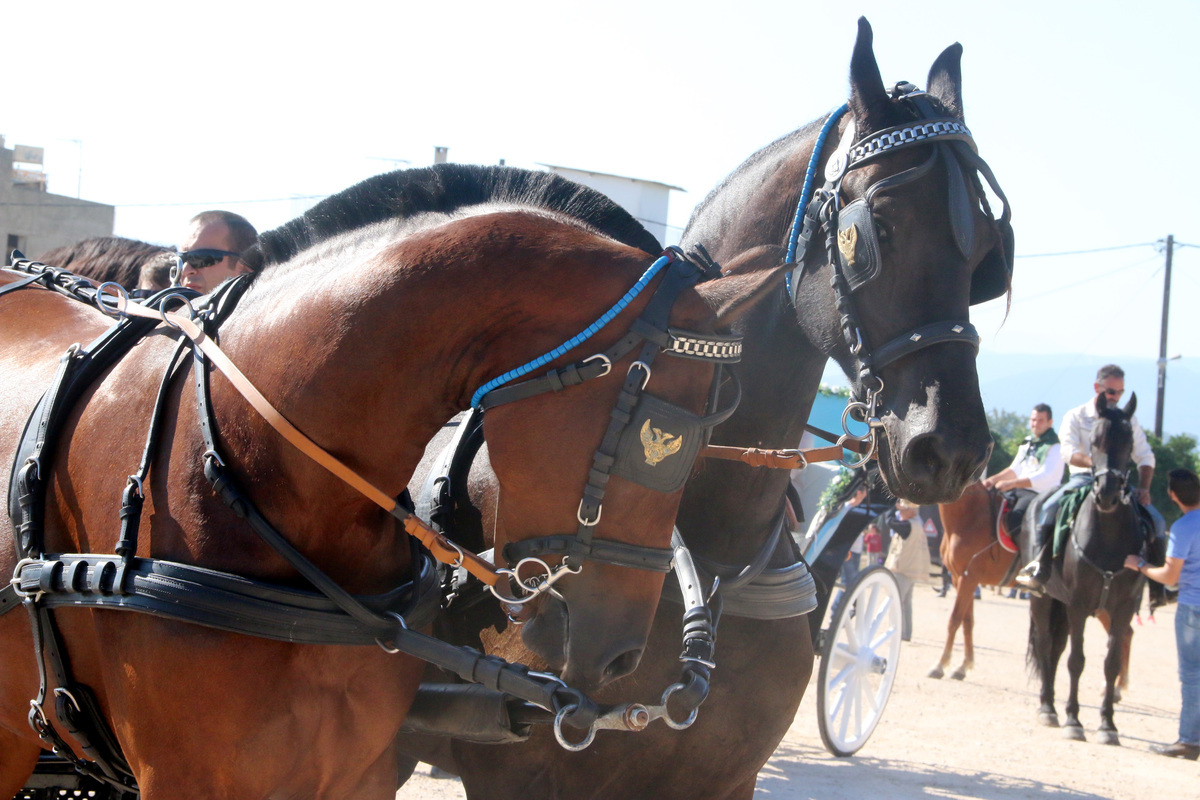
956,617
1114,662
20,756
1047,639
1075,662
966,596
1126,644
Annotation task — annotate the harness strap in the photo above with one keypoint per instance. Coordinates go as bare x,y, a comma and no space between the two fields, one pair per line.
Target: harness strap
773,459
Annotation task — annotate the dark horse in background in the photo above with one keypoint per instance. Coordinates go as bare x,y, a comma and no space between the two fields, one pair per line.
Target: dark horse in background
972,552
934,440
1091,577
339,329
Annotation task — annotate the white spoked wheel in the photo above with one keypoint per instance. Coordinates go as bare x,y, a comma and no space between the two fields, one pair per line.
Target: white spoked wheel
859,657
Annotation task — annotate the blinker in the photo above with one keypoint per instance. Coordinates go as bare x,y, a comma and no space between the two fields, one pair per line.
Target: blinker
658,447
858,244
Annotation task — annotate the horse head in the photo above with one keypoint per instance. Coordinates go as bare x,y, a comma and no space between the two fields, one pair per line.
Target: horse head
592,625
1111,446
911,245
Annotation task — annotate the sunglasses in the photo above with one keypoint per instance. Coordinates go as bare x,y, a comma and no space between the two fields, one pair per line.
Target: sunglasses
1114,392
205,257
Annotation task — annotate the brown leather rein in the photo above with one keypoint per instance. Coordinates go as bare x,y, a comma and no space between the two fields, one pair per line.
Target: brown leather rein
786,459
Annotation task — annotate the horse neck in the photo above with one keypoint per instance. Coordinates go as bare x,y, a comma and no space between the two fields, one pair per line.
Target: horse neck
728,509
383,366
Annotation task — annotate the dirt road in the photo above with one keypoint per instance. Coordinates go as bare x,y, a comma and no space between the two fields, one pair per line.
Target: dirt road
979,738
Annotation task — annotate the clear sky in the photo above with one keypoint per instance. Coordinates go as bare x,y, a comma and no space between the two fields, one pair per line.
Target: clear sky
1087,113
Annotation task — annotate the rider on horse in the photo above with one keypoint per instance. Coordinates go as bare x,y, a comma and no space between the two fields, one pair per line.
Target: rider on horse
1037,467
1076,448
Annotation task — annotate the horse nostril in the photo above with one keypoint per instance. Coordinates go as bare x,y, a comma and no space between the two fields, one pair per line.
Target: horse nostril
924,459
622,665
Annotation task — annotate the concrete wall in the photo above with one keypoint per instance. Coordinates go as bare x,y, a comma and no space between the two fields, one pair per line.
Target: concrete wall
39,220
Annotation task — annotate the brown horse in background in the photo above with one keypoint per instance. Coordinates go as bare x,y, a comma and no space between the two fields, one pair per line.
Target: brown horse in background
974,556
339,327
113,259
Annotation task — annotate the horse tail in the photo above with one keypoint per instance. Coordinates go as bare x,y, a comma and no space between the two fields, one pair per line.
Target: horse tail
1057,624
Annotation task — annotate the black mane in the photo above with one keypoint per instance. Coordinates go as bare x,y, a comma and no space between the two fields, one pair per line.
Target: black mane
446,188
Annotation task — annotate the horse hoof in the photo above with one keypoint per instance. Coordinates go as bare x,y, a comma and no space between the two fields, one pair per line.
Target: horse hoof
1074,733
936,673
1108,737
1048,718
959,674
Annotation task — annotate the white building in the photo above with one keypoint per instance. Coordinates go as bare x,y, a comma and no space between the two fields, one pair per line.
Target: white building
645,200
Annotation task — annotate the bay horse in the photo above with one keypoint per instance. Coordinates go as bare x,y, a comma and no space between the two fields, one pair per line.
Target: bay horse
1091,578
926,404
367,323
973,554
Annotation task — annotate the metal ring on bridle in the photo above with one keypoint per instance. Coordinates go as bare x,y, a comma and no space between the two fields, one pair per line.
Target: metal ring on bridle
666,717
184,303
558,734
134,480
392,650
120,293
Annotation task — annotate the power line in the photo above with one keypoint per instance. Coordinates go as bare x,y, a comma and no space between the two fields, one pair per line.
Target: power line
1085,252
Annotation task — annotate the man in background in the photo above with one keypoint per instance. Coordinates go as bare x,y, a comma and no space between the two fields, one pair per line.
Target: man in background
211,250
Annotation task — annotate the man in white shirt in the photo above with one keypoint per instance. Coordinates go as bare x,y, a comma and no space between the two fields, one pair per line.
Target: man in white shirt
1037,467
1077,452
1038,464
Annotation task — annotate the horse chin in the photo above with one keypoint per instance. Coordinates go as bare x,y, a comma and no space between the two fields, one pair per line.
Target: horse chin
923,469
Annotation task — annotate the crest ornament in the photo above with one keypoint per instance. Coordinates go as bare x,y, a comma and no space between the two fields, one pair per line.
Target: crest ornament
657,444
847,240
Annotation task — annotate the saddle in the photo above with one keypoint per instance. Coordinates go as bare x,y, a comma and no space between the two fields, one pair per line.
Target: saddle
1010,514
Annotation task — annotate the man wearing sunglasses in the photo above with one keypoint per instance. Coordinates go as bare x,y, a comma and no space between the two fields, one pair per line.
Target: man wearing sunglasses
211,250
1076,452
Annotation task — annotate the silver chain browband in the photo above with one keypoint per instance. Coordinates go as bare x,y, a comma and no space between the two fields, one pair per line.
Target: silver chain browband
709,348
909,134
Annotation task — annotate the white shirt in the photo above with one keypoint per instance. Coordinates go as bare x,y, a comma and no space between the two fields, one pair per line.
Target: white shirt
1076,437
1043,475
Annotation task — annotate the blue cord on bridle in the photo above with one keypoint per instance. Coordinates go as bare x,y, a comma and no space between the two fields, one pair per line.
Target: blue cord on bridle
806,192
576,340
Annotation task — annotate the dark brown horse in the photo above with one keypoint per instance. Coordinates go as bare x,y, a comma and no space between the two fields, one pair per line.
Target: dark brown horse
368,323
109,258
1091,578
935,438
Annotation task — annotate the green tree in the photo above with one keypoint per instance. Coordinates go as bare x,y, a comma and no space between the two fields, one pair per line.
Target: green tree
1008,430
1178,451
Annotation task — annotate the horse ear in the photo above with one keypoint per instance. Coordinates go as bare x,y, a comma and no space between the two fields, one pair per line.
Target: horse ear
1131,406
945,79
1101,401
746,279
868,97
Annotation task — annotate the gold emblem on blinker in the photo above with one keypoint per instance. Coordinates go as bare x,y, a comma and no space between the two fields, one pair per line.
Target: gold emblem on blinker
658,445
847,239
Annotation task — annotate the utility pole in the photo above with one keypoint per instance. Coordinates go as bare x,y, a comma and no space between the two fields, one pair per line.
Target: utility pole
1162,342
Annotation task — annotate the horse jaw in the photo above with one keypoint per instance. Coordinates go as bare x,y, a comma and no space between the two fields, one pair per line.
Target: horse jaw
922,418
